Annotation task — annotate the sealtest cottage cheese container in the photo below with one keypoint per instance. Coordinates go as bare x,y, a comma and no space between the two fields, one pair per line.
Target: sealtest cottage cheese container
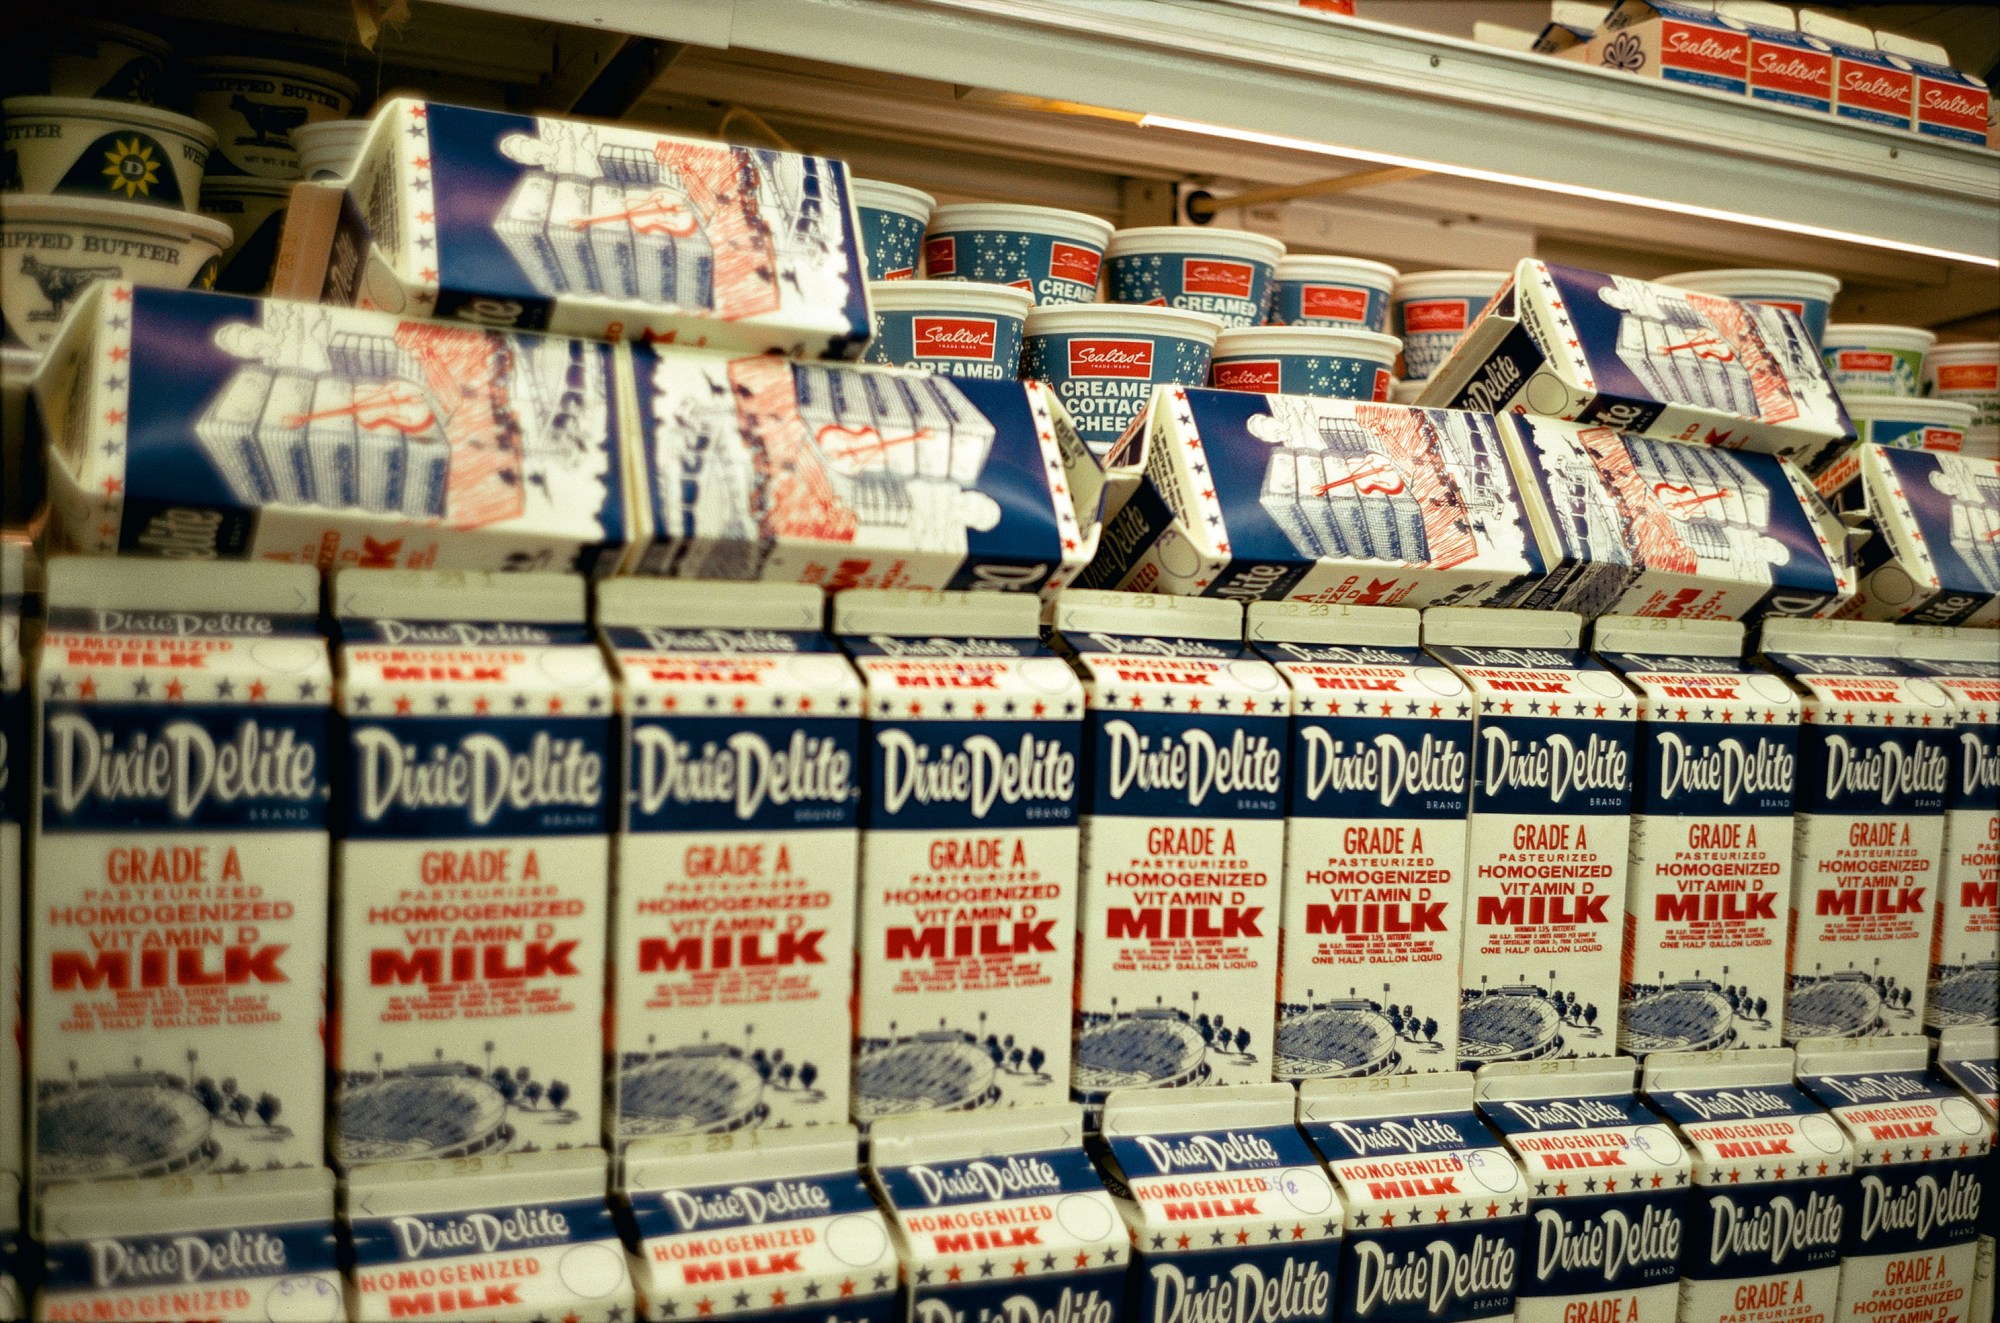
179,893
1304,360
1807,295
1055,255
1103,362
1374,902
253,105
893,219
1183,843
1934,557
1429,311
954,327
733,937
1709,890
1224,273
1875,360
968,853
1345,292
17,775
1970,373
472,888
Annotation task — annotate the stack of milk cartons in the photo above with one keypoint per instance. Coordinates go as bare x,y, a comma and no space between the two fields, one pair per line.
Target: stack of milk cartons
1969,1057
15,778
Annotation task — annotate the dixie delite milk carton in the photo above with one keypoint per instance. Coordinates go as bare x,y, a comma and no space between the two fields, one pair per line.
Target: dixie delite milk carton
245,1248
1232,1218
1374,906
179,897
1709,891
1548,841
14,1269
1969,1056
773,1225
1000,1218
1920,1149
473,870
733,930
1875,765
968,852
1773,1186
1183,843
16,775
1435,1207
1607,1212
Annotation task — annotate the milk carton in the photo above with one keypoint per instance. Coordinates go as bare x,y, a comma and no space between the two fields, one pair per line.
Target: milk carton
1374,909
772,1225
1000,1216
1950,104
1875,764
1934,558
1676,43
1709,887
1231,1216
1435,1208
1773,1186
1969,1056
968,852
16,776
246,1247
1607,1216
733,931
1789,67
503,1239
471,899
179,891
14,1268
1869,84
1965,944
1552,791
1183,843
1919,1147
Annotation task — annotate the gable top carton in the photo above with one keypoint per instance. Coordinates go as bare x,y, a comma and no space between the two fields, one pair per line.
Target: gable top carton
191,425
1435,1205
14,1268
1969,1055
1569,29
770,1223
1869,84
1787,66
1949,102
602,230
243,1247
16,777
1935,555
1688,43
1667,363
506,1239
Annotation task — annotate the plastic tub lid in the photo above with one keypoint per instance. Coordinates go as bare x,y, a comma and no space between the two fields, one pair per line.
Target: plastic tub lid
213,65
1307,340
63,207
1101,611
86,107
1321,266
1122,319
1432,282
1192,239
1910,409
1755,280
880,195
1967,351
1077,225
330,134
1869,335
949,295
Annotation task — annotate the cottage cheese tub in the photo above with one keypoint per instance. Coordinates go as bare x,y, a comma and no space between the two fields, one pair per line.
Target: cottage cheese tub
1863,359
1054,255
1807,295
1346,292
1305,360
109,149
893,220
1431,310
1103,362
1970,373
1224,273
957,327
253,105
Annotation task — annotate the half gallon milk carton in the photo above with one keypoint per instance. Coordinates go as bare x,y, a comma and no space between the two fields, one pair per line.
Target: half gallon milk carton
1965,944
1875,754
1232,1218
770,1225
1552,784
1969,1056
1374,910
14,1268
246,1248
968,852
180,888
1607,1216
16,775
1773,1186
1435,1207
1000,1218
1183,843
473,866
1920,1148
733,937
509,1238
1709,892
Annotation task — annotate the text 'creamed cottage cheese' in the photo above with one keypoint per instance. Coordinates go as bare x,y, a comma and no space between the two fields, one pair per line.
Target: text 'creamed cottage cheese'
179,897
733,941
16,776
1552,784
1920,1150
250,1247
1875,759
1773,1186
1183,843
1710,893
1374,909
508,1238
1435,1206
1232,1218
1000,1218
1608,1182
473,866
968,853
773,1225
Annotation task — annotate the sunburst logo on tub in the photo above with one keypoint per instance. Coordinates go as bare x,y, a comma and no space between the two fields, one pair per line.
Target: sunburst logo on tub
132,166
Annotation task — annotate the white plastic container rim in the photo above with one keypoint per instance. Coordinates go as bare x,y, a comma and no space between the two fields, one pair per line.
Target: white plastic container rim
1757,282
254,184
1308,340
61,208
1484,284
220,65
98,108
949,295
1190,239
1122,319
1965,351
1355,270
1076,225
329,135
1867,335
876,195
1910,409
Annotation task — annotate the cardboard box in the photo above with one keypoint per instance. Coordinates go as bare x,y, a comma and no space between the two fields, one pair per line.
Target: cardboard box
1381,782
1676,43
1868,84
179,888
1934,558
1709,895
1183,835
1787,66
605,231
846,477
733,930
1655,360
473,870
1342,502
16,778
207,426
1950,103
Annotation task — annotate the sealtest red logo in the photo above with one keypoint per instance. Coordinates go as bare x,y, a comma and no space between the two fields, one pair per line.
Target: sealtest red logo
1381,391
1334,303
1950,105
1069,261
941,254
1206,275
901,273
1805,73
1865,360
1111,358
1943,438
953,337
1434,315
1260,375
1704,50
1968,376
1875,87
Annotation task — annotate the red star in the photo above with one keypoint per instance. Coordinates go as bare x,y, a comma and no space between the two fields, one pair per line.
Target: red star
1727,715
1780,1173
1600,709
1735,1176
1681,715
1493,1210
916,708
805,704
1436,711
1040,708
1181,1241
114,416
1243,1237
979,709
403,706
1656,1182
124,295
1298,1233
1194,705
481,704
1385,709
1137,701
428,275
119,353
952,1274
419,112
1083,1260
704,1307
88,689
1927,1158
424,218
1822,1169
421,162
1020,1267
112,486
1249,705
1562,1187
555,704
1888,718
777,1298
1507,706
174,690
257,690
1443,1216
739,702
1388,1219
670,702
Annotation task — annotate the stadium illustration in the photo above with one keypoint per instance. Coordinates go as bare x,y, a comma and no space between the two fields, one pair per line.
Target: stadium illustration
708,1087
1349,1036
151,1122
1692,1014
1974,492
1845,1003
1965,994
1690,348
1521,1022
1153,1047
941,1069
449,1109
